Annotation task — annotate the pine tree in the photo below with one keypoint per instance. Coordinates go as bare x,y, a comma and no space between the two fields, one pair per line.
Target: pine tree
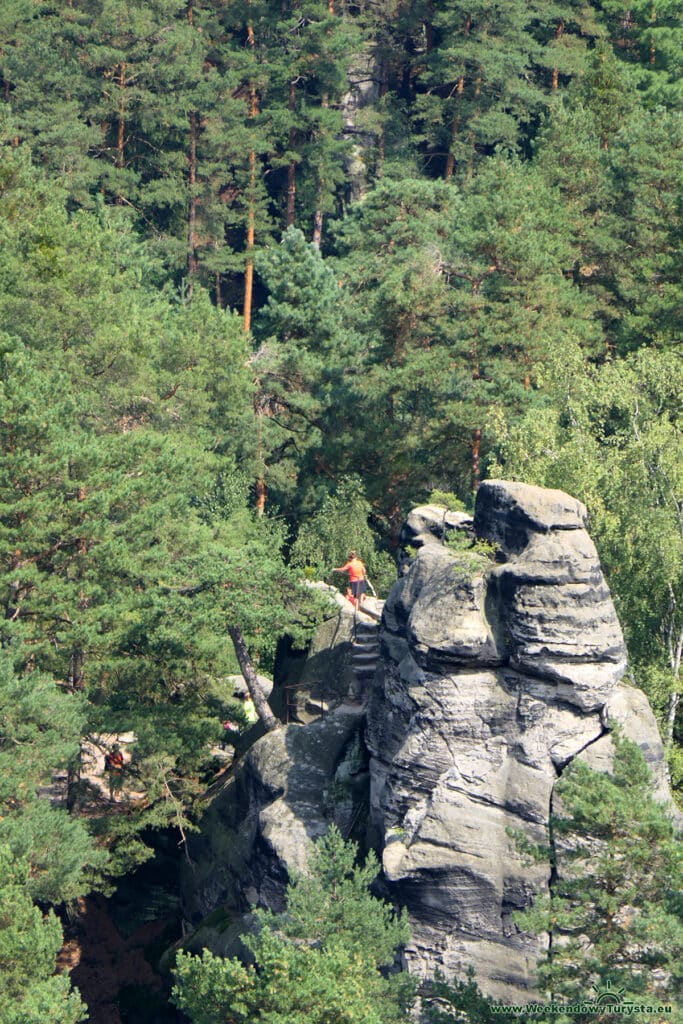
30,990
315,964
303,350
614,915
647,38
478,92
48,93
40,734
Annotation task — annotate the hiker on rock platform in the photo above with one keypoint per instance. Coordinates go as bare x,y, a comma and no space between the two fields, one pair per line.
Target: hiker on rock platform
357,578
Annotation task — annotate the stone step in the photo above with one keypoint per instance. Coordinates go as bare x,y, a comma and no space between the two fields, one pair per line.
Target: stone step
366,641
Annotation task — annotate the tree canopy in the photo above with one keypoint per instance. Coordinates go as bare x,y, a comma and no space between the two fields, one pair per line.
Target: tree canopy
270,275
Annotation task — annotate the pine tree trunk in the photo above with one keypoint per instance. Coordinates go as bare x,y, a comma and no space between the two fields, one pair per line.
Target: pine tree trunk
192,181
318,214
291,170
120,135
476,459
251,200
192,210
382,139
460,88
251,235
251,679
261,495
76,675
556,74
450,160
73,777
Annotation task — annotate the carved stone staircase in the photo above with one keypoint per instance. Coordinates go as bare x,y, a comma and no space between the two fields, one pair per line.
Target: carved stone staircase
365,648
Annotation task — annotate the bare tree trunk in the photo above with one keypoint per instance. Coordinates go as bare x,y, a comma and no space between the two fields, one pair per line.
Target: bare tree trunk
556,74
251,213
261,494
192,211
251,679
73,777
318,215
291,169
476,459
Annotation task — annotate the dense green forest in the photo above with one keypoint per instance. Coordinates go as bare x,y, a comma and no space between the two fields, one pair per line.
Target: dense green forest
270,275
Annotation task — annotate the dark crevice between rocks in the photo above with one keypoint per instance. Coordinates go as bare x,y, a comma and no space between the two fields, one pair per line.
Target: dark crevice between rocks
562,764
113,946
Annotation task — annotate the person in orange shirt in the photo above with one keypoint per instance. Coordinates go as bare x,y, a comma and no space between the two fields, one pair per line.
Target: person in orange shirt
357,578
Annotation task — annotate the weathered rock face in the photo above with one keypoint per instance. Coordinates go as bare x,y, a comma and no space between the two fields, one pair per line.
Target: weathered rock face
494,675
494,678
282,796
364,78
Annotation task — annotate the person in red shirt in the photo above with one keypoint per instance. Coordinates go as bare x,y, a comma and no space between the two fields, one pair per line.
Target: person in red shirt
114,764
357,578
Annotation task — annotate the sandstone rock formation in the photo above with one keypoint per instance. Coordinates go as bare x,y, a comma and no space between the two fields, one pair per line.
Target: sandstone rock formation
495,676
495,673
428,524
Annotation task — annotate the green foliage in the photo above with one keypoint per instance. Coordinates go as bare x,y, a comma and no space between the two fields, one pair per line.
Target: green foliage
462,1001
614,913
447,499
304,346
473,556
315,964
39,735
613,438
30,991
122,561
518,318
341,525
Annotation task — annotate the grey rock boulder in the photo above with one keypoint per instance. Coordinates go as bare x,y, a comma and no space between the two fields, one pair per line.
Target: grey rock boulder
240,689
494,675
259,829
